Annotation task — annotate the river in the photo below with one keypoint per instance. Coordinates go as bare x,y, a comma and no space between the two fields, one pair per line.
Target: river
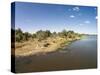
81,54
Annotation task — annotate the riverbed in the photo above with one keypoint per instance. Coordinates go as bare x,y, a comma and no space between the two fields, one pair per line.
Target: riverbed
81,54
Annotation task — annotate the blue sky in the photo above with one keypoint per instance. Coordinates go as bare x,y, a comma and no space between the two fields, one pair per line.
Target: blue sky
32,17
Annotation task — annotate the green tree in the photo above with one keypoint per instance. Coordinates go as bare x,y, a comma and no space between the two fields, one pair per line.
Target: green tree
41,35
47,33
18,35
54,34
63,33
70,34
33,36
26,36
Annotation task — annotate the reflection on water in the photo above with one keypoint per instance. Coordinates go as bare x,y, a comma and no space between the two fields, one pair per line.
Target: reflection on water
80,54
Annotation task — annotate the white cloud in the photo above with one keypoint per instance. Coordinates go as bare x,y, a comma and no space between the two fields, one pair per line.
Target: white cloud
72,16
76,9
87,22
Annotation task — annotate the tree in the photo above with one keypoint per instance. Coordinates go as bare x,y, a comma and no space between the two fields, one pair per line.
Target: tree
33,36
26,36
63,33
41,35
18,35
54,34
70,34
18,31
47,33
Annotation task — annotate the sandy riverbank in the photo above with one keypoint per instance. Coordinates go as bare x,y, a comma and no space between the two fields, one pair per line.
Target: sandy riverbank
35,47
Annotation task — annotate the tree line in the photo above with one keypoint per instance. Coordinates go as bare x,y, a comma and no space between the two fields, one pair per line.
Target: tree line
42,35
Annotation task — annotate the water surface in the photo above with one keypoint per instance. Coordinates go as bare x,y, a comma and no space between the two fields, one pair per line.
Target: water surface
81,54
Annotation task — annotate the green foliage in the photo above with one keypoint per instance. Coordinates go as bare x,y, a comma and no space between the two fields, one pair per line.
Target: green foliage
19,35
26,36
41,35
54,34
70,34
18,31
47,33
63,33
33,36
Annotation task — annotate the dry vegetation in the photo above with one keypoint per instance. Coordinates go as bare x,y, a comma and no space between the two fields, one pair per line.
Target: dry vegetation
42,42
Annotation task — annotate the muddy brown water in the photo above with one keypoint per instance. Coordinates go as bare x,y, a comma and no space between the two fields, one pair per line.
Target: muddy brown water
81,54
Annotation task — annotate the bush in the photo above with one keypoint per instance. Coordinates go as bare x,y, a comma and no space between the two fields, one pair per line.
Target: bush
18,35
26,36
41,35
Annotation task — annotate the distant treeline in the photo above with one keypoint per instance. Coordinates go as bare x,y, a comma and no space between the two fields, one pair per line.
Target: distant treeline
42,35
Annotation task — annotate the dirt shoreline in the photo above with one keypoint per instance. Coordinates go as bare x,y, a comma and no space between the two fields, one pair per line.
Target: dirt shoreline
35,47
